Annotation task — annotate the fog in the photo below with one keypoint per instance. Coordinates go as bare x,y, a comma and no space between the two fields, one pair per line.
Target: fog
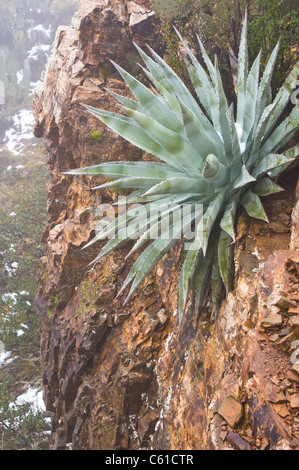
27,31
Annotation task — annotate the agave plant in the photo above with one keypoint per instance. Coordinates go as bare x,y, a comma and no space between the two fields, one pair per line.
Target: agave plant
209,155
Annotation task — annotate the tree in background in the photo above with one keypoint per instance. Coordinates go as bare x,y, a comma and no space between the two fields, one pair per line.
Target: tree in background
27,30
218,23
22,426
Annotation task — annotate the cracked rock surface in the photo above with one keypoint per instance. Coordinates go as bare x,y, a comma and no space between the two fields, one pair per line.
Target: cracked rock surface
119,377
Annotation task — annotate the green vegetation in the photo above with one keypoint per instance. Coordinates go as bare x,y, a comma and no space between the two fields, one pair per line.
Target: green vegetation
87,294
213,158
96,136
22,220
218,24
22,426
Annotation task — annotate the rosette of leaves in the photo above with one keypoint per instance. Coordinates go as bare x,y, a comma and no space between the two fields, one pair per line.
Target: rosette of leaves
210,156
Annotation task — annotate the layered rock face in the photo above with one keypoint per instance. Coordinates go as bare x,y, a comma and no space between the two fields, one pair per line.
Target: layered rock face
119,377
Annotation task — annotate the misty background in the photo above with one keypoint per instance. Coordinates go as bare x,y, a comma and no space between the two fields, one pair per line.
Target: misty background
27,32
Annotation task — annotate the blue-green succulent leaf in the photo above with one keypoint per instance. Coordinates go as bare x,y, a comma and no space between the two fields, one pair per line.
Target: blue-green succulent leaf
228,220
253,206
206,224
244,178
186,275
265,186
225,257
271,162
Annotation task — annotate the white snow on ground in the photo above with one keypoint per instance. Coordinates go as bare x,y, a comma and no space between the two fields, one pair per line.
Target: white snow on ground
10,297
36,50
11,268
33,396
20,75
40,29
32,87
4,355
21,130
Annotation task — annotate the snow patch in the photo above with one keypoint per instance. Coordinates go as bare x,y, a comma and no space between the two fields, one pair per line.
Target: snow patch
20,75
22,130
34,53
40,29
33,396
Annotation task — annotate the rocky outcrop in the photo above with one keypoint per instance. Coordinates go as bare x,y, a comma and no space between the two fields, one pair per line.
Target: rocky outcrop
120,377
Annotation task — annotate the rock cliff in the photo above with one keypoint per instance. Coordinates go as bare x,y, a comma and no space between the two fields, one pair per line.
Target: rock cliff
119,377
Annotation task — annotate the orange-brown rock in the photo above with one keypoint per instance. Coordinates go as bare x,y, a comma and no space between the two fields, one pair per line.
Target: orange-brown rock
231,410
118,377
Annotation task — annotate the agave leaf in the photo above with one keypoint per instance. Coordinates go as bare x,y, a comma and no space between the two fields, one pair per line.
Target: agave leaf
249,114
132,104
283,133
206,224
243,179
137,225
156,71
236,157
200,278
271,162
153,223
225,250
199,88
253,206
264,90
216,286
156,224
176,87
291,155
223,112
265,186
208,62
150,103
138,197
152,255
126,128
201,137
99,113
236,150
179,87
186,275
242,72
141,182
129,169
202,85
179,185
261,129
169,99
283,97
122,221
207,133
172,142
214,172
228,220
